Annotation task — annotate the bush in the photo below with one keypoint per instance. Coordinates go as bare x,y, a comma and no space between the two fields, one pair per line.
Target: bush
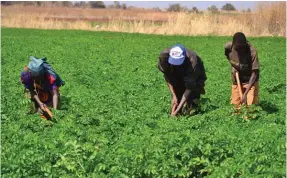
228,7
213,9
176,8
97,4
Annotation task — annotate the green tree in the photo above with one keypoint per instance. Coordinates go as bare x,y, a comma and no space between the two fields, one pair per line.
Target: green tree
81,4
6,3
213,9
248,10
67,4
54,3
97,4
176,8
124,6
228,7
194,9
39,3
29,3
117,5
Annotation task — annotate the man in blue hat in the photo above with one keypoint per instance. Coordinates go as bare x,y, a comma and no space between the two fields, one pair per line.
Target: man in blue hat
185,76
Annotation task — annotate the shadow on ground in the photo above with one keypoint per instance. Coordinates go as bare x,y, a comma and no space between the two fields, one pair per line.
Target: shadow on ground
269,107
65,102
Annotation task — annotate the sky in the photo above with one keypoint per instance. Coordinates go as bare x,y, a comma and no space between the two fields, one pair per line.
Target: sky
201,5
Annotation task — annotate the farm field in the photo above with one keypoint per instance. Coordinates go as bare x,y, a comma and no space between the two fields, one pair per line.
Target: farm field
115,121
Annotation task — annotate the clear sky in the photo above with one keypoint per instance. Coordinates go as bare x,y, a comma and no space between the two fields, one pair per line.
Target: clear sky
201,5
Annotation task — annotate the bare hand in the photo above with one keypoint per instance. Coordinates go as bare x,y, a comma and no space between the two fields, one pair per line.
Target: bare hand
43,107
174,104
175,111
173,114
174,101
173,108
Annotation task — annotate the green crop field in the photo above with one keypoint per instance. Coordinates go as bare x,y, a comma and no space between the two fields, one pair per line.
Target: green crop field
115,121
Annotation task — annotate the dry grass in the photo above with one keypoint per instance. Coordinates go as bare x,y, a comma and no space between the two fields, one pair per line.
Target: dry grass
269,19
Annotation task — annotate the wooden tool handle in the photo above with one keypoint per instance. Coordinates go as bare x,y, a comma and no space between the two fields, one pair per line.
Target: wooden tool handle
48,112
238,84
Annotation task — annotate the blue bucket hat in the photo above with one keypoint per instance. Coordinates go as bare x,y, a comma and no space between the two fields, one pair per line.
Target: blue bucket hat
177,54
35,66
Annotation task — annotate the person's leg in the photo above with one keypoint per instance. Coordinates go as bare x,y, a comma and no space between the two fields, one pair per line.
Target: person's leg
252,98
252,95
235,97
193,103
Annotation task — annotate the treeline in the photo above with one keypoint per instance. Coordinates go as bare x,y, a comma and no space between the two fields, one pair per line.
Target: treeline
117,5
82,4
212,9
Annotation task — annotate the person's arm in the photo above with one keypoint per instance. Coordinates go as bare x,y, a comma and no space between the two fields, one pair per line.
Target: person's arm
170,86
35,96
183,100
254,74
54,90
27,81
174,101
250,84
55,98
164,67
227,49
195,75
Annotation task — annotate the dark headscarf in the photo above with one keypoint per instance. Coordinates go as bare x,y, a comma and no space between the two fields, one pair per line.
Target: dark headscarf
239,42
239,39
